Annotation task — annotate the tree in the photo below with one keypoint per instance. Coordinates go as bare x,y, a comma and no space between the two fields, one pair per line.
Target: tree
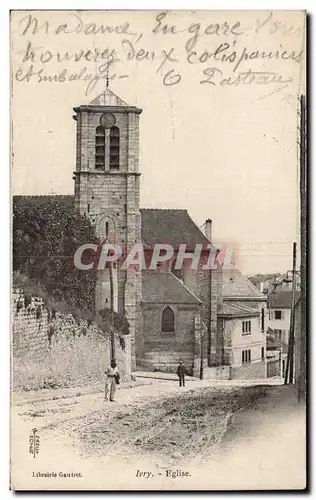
45,238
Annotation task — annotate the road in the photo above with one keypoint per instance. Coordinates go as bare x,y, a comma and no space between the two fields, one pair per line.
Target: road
153,426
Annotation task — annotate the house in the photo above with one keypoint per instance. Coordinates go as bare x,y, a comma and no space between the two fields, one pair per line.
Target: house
276,355
279,305
241,326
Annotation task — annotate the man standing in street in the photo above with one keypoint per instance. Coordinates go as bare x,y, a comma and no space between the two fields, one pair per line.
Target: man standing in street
181,374
112,378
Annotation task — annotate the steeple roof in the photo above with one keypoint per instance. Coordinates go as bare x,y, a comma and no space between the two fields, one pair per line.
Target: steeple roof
108,98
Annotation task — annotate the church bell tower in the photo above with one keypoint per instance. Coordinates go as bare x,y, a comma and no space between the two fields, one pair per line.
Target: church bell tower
107,191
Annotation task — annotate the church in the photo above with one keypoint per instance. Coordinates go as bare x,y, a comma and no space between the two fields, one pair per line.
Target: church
173,313
209,316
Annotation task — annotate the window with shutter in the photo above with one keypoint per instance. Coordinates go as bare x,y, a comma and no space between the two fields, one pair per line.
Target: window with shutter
100,148
114,148
278,314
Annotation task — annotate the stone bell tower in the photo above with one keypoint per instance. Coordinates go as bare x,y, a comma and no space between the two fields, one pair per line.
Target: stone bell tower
107,191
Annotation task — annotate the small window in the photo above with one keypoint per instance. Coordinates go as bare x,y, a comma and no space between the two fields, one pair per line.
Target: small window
246,327
277,314
246,356
100,148
114,147
167,320
262,352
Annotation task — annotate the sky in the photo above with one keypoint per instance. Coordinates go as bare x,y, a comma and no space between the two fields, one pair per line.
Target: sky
227,151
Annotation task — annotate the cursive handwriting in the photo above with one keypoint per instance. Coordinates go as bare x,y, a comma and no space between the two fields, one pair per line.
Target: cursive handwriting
224,51
30,25
214,76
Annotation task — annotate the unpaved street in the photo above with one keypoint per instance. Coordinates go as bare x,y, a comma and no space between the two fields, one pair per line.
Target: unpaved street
151,422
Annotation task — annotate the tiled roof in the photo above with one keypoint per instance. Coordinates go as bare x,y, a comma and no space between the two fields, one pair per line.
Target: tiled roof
163,287
170,226
237,309
236,285
282,299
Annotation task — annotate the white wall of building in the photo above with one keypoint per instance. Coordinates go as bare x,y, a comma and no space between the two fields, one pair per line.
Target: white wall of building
281,324
255,340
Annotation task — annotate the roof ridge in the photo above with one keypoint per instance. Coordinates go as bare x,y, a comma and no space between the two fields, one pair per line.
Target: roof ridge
167,209
184,286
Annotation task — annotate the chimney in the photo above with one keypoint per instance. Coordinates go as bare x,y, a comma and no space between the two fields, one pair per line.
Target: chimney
208,229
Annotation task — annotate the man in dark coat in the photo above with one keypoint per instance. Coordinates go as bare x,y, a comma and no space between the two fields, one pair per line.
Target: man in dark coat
181,374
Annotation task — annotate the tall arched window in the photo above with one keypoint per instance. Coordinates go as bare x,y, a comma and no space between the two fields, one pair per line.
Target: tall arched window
167,320
100,148
114,147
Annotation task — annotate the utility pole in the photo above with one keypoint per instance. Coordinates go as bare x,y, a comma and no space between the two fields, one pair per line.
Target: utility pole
301,382
290,354
202,355
112,310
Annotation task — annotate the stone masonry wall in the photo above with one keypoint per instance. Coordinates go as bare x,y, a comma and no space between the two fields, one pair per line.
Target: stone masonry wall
207,286
50,349
163,351
250,371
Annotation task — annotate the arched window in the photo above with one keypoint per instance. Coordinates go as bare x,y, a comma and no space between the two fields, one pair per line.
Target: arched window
100,148
114,147
167,320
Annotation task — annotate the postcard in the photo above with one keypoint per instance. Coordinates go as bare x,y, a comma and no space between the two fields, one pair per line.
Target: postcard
159,198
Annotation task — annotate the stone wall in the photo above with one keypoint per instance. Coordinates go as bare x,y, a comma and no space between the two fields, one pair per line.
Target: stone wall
50,349
207,286
249,371
217,373
162,351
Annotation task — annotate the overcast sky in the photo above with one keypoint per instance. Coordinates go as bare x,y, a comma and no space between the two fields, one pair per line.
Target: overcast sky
225,152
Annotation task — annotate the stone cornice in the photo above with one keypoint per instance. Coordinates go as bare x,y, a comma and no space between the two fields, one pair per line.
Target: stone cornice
105,172
102,109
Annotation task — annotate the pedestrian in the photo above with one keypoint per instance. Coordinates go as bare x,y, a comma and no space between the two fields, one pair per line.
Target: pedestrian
181,374
112,378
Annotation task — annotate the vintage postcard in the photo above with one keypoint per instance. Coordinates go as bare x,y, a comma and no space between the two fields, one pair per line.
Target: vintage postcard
158,311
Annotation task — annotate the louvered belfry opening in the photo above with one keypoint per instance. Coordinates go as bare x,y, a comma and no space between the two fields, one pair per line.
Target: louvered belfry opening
114,148
100,148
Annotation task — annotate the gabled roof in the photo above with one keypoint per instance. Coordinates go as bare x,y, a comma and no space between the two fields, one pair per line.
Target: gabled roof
235,285
164,287
170,226
237,310
282,299
108,98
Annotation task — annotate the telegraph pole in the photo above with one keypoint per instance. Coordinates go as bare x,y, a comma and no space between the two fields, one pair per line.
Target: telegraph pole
301,382
290,354
112,310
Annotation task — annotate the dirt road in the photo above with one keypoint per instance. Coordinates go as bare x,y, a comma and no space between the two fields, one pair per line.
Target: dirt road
153,426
